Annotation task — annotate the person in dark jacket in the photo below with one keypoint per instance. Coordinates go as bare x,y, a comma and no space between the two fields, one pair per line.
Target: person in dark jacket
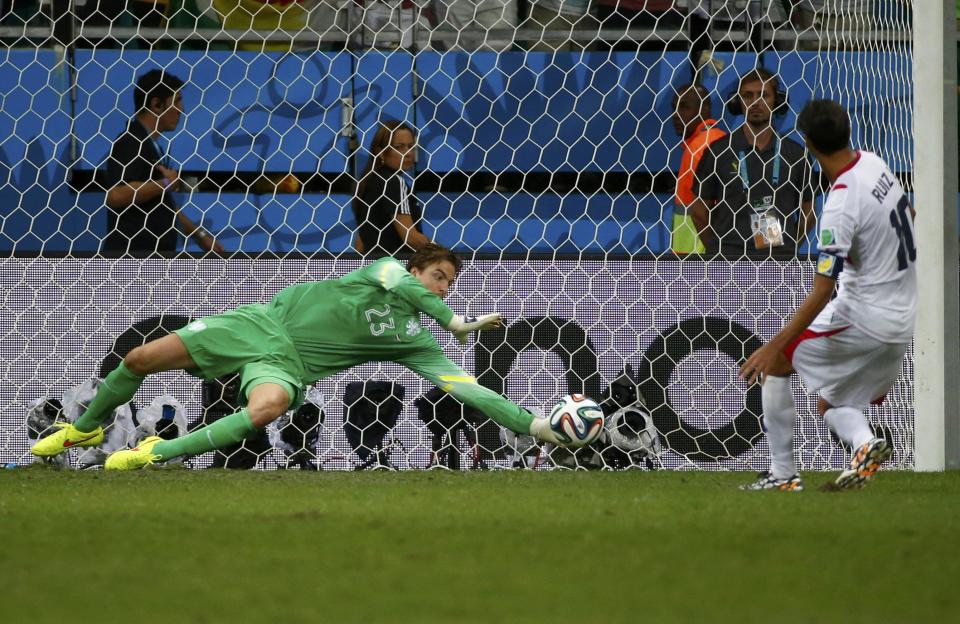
387,212
753,189
143,217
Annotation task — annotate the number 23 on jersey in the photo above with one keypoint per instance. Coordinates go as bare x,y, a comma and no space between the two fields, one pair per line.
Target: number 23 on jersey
380,320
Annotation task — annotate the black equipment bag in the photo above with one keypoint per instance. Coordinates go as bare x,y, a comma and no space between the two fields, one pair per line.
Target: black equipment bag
371,410
302,432
445,415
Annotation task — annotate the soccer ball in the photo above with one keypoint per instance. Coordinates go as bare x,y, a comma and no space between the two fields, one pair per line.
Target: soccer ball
576,420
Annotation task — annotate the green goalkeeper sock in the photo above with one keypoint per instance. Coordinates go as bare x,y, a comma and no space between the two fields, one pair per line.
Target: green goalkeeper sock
224,432
118,388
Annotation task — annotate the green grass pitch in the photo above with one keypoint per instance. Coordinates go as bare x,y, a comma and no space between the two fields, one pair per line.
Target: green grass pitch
171,545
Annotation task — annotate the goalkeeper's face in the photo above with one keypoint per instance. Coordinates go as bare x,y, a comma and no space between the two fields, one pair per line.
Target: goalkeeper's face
436,277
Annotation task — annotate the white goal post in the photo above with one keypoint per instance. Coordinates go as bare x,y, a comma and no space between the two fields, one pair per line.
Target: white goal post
936,355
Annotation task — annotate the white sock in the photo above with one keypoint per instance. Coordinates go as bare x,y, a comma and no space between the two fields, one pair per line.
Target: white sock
779,415
849,424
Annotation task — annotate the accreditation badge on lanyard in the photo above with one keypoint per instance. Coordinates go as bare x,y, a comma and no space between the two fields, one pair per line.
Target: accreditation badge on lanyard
765,224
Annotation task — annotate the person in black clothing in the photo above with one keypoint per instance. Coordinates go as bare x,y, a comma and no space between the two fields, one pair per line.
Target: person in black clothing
753,189
143,216
387,212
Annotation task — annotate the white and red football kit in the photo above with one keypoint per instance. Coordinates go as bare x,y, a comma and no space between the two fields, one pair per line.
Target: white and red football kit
853,351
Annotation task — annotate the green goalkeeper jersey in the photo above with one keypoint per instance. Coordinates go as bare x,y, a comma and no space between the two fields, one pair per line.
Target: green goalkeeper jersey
371,314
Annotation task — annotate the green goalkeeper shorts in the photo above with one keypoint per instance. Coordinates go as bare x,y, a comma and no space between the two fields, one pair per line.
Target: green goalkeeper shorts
247,340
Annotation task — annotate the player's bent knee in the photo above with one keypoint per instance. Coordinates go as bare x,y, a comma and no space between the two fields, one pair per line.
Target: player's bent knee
266,403
158,355
138,361
264,414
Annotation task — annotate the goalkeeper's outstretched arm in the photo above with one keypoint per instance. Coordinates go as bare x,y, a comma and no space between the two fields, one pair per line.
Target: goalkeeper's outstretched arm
449,377
424,284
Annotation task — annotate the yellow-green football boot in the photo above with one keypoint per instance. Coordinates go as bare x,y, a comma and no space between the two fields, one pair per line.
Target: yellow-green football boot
132,459
65,439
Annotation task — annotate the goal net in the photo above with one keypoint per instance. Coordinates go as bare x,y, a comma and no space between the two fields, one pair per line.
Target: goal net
547,156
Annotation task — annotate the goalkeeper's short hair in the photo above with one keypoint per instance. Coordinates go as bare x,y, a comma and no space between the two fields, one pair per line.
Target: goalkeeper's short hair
432,253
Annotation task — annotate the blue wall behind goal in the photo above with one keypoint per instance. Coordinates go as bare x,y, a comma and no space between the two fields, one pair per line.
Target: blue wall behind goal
526,112
244,112
488,223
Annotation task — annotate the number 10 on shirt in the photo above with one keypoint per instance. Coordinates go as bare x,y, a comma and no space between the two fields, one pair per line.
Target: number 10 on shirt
900,220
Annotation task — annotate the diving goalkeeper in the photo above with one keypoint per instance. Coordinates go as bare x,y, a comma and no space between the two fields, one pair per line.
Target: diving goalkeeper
307,332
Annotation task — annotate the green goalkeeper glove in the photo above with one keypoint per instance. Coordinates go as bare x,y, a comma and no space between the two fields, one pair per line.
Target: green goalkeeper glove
462,326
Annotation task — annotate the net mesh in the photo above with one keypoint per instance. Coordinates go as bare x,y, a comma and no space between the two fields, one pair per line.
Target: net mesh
546,155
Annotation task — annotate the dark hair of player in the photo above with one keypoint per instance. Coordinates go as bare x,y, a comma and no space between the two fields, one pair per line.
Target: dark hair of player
826,126
156,83
432,253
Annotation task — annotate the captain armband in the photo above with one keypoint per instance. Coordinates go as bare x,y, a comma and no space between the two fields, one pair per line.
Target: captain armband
829,265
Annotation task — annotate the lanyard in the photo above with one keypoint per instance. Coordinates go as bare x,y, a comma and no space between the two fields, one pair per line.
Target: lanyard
162,154
745,178
164,157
